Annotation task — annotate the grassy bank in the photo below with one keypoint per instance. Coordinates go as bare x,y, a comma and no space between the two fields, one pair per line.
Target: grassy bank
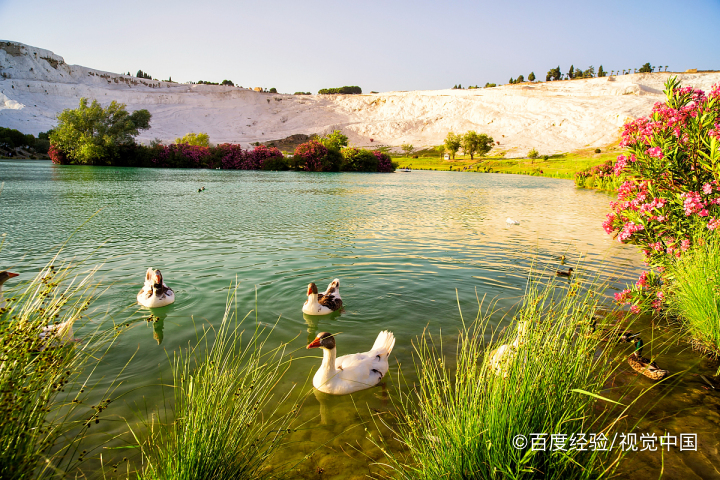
563,165
475,420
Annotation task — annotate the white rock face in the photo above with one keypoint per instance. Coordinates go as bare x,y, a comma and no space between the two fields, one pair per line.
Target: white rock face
36,84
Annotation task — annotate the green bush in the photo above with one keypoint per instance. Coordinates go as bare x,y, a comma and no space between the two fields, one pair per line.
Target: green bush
533,154
597,150
276,163
359,160
352,90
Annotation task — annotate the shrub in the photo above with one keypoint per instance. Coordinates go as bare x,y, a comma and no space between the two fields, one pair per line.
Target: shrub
597,150
385,163
309,156
276,163
182,155
199,139
359,160
229,156
671,198
57,155
353,90
533,154
256,159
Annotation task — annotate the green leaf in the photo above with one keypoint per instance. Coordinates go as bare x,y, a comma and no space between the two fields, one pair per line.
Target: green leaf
584,392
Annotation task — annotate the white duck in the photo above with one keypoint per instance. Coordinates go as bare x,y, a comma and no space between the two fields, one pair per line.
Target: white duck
155,293
58,334
351,373
4,276
501,358
324,303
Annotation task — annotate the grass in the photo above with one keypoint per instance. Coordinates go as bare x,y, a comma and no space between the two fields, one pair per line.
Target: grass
460,422
695,296
226,419
43,383
559,166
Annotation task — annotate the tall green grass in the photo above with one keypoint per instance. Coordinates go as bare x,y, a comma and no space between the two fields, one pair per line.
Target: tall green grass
225,420
460,419
695,295
43,382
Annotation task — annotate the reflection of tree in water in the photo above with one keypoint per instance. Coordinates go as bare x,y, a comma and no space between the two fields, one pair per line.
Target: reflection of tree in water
158,323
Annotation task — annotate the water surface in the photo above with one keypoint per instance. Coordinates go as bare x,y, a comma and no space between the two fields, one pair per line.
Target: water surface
401,244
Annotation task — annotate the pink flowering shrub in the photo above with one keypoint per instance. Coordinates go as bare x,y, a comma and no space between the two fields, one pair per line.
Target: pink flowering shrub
385,164
309,156
600,176
56,155
670,199
182,155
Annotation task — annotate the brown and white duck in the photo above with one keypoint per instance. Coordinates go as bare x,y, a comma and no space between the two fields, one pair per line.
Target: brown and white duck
155,293
323,303
354,372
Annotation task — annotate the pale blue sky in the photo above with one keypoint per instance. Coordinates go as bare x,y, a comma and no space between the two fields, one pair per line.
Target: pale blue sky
378,45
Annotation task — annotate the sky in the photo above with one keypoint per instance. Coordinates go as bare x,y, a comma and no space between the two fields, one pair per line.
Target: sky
379,45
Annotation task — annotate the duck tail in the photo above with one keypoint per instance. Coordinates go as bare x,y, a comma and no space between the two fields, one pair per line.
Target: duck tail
385,342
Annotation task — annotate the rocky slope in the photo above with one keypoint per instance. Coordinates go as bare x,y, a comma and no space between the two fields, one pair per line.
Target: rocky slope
36,84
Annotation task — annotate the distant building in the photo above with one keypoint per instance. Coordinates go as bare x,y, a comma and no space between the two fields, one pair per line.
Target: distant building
447,156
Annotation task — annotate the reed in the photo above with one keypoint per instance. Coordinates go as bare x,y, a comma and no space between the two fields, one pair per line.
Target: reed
461,419
225,420
44,375
694,295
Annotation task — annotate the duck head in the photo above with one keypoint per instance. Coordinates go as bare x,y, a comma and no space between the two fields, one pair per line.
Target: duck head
5,275
323,340
334,288
153,277
312,289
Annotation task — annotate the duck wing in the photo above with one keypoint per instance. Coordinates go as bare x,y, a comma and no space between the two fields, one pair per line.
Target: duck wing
375,360
330,301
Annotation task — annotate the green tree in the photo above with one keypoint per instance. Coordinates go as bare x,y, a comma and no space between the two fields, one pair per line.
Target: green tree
273,90
198,139
646,68
531,77
334,141
476,144
452,143
227,82
407,148
90,133
571,72
533,154
520,79
512,81
601,72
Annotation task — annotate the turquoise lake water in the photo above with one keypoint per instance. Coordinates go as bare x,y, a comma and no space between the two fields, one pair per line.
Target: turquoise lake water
401,244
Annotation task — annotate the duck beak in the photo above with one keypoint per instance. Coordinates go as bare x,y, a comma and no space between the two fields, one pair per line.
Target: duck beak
11,274
315,344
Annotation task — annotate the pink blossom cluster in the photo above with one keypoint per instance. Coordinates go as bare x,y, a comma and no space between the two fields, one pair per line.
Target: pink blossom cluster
384,162
628,230
713,223
311,155
693,203
195,155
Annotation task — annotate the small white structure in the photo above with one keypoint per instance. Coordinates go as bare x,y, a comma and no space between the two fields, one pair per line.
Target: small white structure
447,156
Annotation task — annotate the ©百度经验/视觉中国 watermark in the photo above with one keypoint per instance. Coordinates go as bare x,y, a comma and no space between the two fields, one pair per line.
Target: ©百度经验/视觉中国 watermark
627,442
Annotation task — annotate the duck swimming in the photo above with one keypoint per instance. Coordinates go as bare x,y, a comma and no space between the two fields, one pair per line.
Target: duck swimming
58,334
354,372
155,293
644,365
5,276
324,303
563,273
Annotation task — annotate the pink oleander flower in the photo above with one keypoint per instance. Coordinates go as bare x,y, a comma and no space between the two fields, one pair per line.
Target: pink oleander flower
655,152
713,223
620,165
642,281
707,189
635,309
621,297
685,245
660,295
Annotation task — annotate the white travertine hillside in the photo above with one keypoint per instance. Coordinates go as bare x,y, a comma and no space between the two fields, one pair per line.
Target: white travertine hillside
36,84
